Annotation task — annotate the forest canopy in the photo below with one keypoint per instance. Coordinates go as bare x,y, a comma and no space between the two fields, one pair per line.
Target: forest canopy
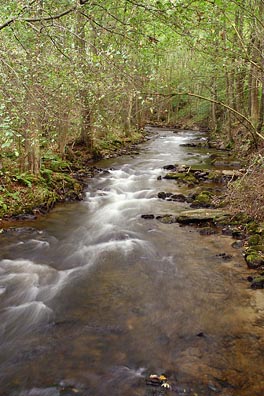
95,71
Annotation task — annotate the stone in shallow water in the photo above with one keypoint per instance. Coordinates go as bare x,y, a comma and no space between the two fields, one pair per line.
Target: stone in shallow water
178,198
224,256
208,231
170,167
257,282
237,244
167,219
148,216
164,195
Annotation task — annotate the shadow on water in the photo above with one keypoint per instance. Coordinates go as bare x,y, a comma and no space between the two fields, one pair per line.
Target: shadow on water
94,298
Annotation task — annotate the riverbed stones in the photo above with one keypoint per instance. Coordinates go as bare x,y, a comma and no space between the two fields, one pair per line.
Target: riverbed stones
196,175
172,197
164,195
202,143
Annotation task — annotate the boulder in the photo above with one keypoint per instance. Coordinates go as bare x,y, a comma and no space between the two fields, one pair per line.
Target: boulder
202,200
201,216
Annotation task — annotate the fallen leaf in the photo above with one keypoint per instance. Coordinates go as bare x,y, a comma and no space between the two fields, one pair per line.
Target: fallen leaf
165,385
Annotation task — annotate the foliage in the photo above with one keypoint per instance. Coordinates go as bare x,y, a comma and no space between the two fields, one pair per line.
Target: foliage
75,71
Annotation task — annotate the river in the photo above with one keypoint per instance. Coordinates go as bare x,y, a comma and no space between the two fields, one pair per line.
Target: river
94,298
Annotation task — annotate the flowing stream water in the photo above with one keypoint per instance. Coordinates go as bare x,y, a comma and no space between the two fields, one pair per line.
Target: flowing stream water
93,298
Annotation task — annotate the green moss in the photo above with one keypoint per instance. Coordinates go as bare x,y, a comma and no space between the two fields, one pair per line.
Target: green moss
214,176
174,176
204,198
181,176
58,165
254,240
241,218
254,259
46,174
260,229
252,227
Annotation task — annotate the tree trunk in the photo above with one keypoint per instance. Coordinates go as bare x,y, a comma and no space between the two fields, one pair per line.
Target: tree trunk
213,106
254,110
86,132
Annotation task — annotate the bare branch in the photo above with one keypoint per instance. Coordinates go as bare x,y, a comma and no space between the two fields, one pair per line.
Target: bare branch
13,19
49,18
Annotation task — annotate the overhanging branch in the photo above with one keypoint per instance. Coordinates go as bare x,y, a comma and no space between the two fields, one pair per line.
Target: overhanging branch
37,19
252,129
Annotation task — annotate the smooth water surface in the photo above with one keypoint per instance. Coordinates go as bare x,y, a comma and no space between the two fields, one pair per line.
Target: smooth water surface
94,298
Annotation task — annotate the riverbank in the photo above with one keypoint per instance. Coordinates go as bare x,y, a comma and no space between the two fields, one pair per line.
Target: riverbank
24,196
208,190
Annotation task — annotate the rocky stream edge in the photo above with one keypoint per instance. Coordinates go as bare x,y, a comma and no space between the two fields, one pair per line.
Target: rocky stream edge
205,188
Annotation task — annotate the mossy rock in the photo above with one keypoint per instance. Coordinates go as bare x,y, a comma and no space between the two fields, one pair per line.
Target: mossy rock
254,259
181,176
174,176
257,282
214,176
203,199
200,216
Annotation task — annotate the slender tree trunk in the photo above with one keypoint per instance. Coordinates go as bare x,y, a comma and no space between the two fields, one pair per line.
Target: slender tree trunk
86,133
254,100
34,107
228,113
214,106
